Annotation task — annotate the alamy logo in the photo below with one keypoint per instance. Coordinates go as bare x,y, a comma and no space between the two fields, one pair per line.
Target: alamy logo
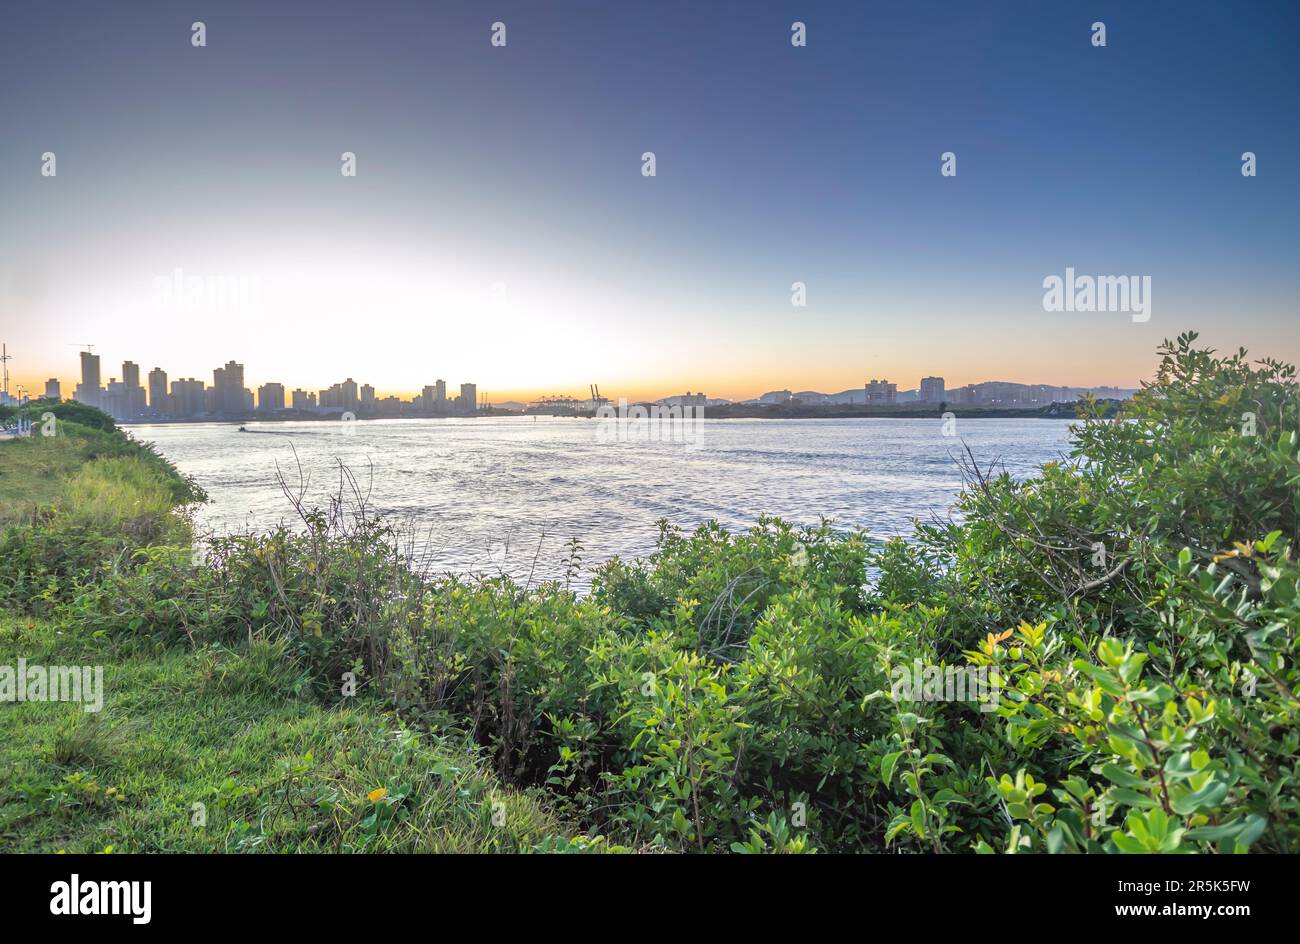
194,293
918,682
102,898
649,422
76,683
1128,293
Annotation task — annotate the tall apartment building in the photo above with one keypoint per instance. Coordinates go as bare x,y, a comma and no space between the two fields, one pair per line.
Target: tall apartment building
89,391
188,398
351,400
158,391
133,394
931,390
53,391
228,394
270,398
121,401
469,398
881,391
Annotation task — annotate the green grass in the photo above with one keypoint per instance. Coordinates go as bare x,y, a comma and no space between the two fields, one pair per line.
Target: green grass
273,771
34,472
88,470
121,494
207,749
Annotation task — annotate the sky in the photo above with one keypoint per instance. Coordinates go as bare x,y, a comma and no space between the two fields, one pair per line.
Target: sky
500,229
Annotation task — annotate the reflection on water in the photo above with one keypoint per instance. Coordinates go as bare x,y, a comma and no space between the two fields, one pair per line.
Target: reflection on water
501,492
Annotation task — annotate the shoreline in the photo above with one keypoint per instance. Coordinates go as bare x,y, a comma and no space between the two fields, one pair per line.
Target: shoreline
1068,413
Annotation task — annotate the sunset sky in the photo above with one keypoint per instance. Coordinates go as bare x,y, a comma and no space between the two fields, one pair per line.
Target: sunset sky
520,168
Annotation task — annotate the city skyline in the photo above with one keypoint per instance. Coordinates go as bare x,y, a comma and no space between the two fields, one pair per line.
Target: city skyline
231,393
69,380
500,218
700,427
177,397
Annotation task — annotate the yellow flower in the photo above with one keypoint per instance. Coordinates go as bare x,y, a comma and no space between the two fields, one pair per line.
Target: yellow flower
377,795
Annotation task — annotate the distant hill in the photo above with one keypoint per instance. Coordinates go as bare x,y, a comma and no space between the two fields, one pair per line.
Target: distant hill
994,392
815,397
709,401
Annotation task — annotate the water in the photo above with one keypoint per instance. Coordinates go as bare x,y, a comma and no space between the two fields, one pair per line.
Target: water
501,493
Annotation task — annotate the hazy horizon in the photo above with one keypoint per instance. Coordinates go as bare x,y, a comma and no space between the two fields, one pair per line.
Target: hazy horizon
499,229
112,369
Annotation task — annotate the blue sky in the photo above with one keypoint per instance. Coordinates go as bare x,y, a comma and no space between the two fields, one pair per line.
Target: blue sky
519,168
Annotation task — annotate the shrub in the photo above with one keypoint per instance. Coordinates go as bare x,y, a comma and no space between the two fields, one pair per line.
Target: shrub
107,496
1135,606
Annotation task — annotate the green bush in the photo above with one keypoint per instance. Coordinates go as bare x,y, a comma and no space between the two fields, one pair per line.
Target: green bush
1133,609
63,410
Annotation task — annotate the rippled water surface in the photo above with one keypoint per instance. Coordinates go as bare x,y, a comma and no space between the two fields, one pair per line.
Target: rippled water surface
498,493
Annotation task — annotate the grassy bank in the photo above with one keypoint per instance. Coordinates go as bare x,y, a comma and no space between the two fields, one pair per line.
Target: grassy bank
199,748
1100,658
91,469
217,751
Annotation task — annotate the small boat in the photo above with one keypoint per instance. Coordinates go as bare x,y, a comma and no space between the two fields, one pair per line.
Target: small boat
242,429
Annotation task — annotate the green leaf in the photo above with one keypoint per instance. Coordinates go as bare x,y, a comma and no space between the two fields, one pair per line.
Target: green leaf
1105,681
1118,775
918,819
1127,843
1209,796
1254,829
887,764
1132,798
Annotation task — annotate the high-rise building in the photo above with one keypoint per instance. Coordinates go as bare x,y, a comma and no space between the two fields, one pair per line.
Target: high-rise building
931,390
343,397
122,401
270,398
113,398
302,400
189,397
158,391
89,391
469,398
881,391
229,396
53,391
440,392
133,398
